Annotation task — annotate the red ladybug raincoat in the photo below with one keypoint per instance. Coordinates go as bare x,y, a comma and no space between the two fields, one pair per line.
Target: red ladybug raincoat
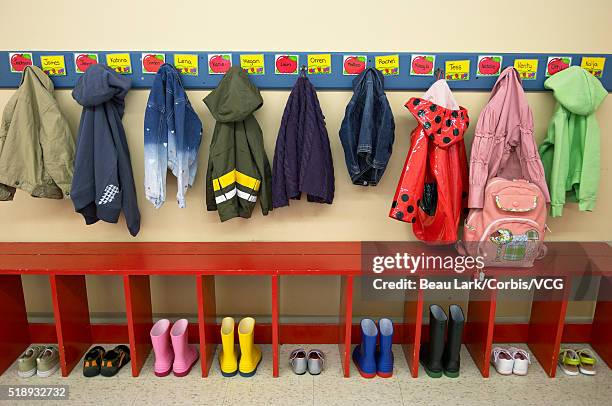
437,155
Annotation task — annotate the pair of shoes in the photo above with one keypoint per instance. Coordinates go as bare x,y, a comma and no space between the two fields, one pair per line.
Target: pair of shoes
435,356
171,348
369,359
313,361
98,361
573,362
38,360
510,361
250,354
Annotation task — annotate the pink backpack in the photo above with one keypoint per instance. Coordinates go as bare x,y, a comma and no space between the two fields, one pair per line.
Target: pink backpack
509,229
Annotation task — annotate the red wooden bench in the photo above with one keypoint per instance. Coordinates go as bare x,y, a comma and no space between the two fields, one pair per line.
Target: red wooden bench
67,264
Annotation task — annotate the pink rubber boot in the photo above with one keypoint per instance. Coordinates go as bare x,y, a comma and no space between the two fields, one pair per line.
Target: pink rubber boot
164,356
185,355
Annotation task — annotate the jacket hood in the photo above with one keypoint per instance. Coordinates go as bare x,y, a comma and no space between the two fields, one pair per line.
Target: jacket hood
100,84
375,76
235,98
440,94
33,74
577,90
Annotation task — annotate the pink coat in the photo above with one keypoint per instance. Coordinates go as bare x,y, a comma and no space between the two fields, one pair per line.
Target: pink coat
504,145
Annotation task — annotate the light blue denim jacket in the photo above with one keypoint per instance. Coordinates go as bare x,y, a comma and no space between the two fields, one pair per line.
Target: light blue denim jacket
172,135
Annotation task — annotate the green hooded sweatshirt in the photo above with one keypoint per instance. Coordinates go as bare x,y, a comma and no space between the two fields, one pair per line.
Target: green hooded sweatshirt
571,152
238,167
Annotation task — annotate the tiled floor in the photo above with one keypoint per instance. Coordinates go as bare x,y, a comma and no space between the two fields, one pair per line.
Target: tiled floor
329,388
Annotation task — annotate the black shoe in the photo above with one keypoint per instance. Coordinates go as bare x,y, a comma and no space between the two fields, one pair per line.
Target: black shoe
451,360
114,360
431,353
93,361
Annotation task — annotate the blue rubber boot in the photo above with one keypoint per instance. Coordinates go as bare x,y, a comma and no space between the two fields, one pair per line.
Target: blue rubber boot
384,355
364,353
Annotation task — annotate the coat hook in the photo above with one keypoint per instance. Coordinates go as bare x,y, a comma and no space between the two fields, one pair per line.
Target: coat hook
303,70
439,73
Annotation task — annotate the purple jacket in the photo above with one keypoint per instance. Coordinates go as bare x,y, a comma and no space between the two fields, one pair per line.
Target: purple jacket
302,158
504,144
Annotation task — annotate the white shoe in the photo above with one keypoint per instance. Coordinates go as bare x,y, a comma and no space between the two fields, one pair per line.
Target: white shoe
521,361
502,360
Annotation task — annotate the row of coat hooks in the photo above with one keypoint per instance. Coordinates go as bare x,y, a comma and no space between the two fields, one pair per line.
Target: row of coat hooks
331,70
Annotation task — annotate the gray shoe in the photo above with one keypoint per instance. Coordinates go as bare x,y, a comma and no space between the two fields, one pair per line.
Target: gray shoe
26,364
297,360
316,361
47,362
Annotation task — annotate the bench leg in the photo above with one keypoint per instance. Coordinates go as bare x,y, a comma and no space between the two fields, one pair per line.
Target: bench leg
601,332
139,318
207,313
413,322
275,326
479,326
14,336
345,323
71,311
546,325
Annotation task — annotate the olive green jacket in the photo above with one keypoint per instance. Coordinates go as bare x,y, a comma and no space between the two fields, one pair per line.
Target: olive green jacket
36,145
238,168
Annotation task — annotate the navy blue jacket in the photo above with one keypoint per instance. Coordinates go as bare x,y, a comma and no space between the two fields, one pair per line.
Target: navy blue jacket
368,129
172,137
103,183
302,157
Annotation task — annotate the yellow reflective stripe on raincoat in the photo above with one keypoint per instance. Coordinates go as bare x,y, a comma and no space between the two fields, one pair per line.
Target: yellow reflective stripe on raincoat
236,177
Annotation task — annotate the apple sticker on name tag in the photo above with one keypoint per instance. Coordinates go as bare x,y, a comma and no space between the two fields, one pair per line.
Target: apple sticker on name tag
489,65
422,65
353,64
83,60
557,64
151,62
219,64
286,64
19,61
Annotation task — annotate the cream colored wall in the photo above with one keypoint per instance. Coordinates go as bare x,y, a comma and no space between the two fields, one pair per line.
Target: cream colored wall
357,213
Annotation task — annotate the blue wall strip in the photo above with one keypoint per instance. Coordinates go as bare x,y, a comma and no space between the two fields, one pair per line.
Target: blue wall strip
335,80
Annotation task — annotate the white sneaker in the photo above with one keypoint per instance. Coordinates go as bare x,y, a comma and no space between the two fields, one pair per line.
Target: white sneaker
503,360
521,361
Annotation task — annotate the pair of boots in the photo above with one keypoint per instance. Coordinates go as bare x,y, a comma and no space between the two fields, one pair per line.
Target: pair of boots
435,356
250,354
369,359
172,351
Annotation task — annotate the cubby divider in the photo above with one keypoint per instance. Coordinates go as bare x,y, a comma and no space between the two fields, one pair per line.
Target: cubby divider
139,318
71,312
413,321
15,335
207,313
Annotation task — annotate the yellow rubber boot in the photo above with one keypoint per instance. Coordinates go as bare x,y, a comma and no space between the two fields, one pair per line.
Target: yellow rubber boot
228,362
250,354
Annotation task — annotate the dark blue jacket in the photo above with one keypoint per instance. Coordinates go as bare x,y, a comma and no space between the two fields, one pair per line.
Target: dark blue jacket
302,157
368,130
172,137
103,183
